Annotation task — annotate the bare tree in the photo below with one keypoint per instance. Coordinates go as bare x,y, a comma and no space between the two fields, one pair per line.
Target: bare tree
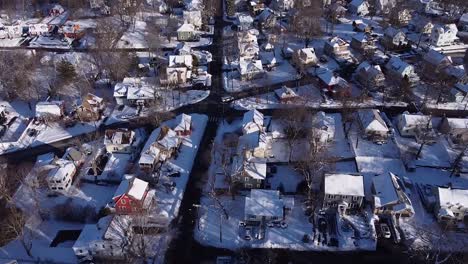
306,23
293,126
424,134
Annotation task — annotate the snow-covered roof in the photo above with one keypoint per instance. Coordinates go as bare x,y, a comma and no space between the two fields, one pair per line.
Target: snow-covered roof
141,92
92,232
415,120
186,28
244,19
434,57
344,184
371,120
285,92
256,170
397,65
49,108
446,29
252,121
131,186
138,189
63,168
150,152
370,70
385,186
118,136
180,60
452,197
330,78
337,41
264,203
170,140
392,32
183,122
324,126
248,66
458,123
361,37
309,52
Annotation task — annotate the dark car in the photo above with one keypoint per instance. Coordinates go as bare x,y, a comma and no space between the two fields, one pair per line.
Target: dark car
174,174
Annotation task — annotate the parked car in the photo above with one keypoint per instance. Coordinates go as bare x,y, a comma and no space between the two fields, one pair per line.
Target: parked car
385,230
226,99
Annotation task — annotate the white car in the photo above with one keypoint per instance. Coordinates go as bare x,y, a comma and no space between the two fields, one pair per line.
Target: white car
227,98
385,230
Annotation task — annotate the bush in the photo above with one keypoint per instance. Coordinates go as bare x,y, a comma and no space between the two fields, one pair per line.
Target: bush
74,212
66,71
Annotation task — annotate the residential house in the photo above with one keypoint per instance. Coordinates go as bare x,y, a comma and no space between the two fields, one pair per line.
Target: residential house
435,64
394,39
269,60
373,127
364,43
91,108
343,192
267,18
455,128
336,10
286,94
72,32
193,17
74,155
184,125
360,26
186,32
247,45
131,196
244,22
331,82
250,175
444,35
421,25
304,58
250,70
359,7
338,48
52,109
389,197
451,206
264,206
179,70
252,121
60,178
119,140
401,70
369,76
323,128
161,145
410,125
136,91
104,239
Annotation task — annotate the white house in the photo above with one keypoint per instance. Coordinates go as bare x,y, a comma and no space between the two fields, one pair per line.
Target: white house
184,125
186,32
337,48
303,58
286,94
38,29
372,125
451,205
251,69
53,109
389,197
60,178
444,35
263,206
343,191
401,70
410,124
435,63
252,121
394,38
359,7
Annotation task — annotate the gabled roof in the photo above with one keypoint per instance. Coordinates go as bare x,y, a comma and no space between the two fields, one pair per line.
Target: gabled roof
131,186
330,78
396,64
256,170
170,140
252,116
414,119
250,66
435,58
285,92
63,167
183,122
344,184
371,120
186,28
180,60
385,186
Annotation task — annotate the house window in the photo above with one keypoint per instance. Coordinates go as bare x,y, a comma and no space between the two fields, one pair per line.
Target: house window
123,208
54,188
123,201
246,179
60,188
